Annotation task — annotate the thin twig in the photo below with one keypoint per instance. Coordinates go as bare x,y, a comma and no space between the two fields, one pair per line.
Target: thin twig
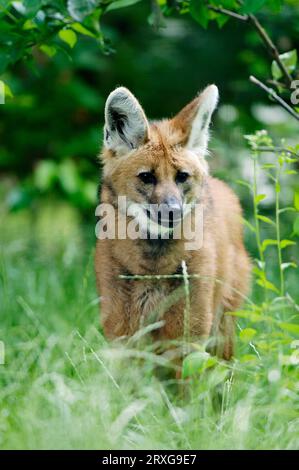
275,96
277,84
278,234
226,12
276,150
9,14
270,46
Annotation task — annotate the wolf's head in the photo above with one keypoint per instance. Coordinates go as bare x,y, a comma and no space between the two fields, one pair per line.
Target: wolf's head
160,163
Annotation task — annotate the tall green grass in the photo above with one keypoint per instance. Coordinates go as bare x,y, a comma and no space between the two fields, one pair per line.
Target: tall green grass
64,386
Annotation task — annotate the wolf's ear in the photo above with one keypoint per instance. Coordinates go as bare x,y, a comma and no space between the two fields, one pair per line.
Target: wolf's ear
126,126
194,120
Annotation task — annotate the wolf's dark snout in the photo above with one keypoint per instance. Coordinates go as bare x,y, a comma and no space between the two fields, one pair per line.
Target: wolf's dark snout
173,207
173,204
170,211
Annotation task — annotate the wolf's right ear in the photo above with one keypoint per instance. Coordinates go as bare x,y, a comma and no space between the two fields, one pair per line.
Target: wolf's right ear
126,127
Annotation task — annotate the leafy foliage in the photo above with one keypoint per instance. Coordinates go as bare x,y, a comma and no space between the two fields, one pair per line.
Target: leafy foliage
40,23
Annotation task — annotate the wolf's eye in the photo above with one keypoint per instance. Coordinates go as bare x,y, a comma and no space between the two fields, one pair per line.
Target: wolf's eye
181,176
147,177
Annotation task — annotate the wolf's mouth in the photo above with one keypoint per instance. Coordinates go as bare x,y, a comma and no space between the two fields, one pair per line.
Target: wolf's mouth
168,220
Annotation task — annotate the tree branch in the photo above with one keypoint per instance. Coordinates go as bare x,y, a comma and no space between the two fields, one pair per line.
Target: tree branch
275,96
270,46
277,84
268,43
224,11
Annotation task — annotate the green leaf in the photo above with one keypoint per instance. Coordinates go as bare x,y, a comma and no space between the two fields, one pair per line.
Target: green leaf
265,219
8,92
29,24
243,183
5,92
268,165
267,243
197,362
79,9
45,175
120,4
20,8
267,285
296,225
286,209
248,358
69,177
290,159
258,272
296,200
251,6
48,50
247,334
289,59
285,266
79,28
285,243
89,191
221,19
217,376
68,36
290,327
259,197
199,12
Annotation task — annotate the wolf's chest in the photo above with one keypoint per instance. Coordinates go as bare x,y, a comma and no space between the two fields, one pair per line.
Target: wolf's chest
154,298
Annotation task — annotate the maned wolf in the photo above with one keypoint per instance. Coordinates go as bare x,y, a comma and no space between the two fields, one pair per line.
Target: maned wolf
164,163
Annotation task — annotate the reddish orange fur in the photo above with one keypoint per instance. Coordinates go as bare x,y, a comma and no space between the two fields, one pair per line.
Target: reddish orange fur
127,304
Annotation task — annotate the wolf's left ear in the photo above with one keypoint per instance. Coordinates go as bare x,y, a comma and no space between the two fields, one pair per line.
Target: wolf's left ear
126,127
193,121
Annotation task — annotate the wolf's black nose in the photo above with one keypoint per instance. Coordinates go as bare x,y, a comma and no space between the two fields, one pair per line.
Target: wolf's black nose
173,204
172,210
